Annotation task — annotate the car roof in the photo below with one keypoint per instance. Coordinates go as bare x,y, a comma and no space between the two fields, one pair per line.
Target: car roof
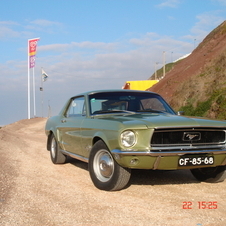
112,90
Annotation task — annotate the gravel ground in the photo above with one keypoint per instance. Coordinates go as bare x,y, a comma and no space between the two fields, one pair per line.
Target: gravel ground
33,191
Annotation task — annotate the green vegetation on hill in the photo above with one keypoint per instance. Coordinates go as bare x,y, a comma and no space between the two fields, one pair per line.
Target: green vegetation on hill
214,106
210,100
159,72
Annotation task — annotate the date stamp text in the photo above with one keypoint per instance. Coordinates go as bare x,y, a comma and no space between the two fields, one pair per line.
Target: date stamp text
200,205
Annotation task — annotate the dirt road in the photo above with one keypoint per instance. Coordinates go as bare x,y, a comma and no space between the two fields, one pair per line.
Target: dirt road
33,191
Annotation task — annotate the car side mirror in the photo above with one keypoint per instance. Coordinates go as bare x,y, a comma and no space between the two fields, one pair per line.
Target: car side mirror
180,113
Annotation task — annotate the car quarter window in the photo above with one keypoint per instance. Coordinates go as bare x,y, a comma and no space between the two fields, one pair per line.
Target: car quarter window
76,107
153,103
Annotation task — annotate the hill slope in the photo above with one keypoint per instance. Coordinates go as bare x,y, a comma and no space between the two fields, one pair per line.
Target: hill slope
197,84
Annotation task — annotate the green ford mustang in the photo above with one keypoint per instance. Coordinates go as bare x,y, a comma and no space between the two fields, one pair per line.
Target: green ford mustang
115,131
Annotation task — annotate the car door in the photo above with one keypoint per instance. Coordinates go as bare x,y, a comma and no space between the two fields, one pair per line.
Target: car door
70,130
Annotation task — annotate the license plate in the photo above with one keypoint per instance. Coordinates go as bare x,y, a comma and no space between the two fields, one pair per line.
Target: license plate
196,161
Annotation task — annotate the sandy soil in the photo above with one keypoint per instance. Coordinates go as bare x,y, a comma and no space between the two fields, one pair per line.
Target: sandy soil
33,191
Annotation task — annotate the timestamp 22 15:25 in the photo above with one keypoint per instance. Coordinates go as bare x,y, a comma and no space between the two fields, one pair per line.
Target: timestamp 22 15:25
200,204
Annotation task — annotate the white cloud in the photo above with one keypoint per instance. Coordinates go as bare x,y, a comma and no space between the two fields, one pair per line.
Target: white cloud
46,26
95,45
54,47
137,63
8,23
82,45
6,31
145,39
154,45
12,29
206,22
45,23
223,2
169,3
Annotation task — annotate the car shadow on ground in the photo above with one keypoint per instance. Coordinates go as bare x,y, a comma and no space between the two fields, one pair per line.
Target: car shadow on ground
162,177
149,177
77,163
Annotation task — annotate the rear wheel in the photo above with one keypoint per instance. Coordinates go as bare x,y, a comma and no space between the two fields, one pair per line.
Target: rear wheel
210,174
56,155
105,173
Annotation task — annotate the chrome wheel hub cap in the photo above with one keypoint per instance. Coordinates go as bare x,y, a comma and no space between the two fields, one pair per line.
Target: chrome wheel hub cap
103,165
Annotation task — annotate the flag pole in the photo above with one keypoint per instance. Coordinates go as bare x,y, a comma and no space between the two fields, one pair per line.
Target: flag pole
44,77
28,84
34,93
32,44
42,90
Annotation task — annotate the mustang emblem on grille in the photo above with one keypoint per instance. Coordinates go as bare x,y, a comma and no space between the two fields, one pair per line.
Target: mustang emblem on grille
191,136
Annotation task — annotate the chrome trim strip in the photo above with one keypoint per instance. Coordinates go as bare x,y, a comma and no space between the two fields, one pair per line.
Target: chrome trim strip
165,153
187,147
191,127
75,156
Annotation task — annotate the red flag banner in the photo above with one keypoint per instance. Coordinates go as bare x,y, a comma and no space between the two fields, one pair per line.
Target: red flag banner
32,51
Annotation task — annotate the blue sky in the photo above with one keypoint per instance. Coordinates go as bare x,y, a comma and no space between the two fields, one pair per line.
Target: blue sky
93,44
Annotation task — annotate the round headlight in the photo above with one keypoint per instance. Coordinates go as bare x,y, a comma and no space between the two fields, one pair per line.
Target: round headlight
128,138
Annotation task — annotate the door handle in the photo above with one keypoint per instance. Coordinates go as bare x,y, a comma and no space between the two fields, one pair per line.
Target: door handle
63,120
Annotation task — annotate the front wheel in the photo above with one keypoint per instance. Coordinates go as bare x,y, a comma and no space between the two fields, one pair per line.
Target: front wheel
105,173
210,174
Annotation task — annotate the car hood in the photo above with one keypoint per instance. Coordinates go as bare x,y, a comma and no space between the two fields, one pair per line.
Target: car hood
160,120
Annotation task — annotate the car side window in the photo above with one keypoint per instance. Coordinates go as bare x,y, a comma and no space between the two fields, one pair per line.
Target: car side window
76,108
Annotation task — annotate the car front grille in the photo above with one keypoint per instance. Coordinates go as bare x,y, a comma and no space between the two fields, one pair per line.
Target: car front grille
190,137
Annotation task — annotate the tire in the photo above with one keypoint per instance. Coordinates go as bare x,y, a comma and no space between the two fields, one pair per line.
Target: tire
210,174
105,173
56,155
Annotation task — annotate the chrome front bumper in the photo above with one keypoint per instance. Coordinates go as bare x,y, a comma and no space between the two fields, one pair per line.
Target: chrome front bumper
136,159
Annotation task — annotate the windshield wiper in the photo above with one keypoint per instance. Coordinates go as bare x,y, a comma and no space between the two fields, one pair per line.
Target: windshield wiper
151,110
112,111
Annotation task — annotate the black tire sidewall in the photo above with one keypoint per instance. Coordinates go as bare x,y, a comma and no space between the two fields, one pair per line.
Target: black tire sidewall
59,157
112,182
217,174
53,139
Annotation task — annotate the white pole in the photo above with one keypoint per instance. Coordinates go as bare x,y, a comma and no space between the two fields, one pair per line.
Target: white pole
34,92
49,112
156,70
28,84
29,92
164,64
42,90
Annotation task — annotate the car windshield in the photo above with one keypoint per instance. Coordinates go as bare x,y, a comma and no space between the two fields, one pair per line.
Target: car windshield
111,102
